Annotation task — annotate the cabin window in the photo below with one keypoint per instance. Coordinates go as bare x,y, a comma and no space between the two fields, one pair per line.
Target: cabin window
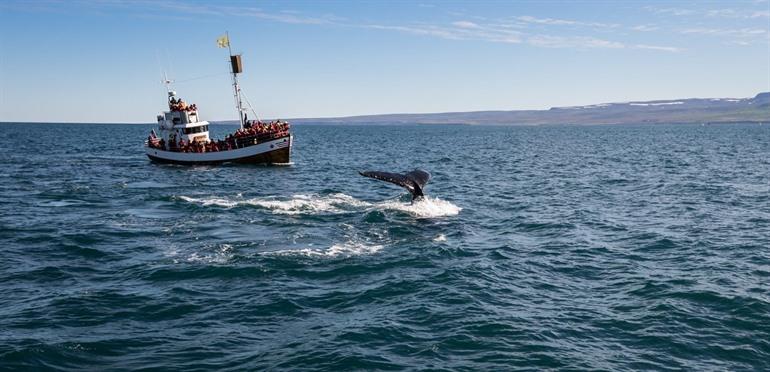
193,130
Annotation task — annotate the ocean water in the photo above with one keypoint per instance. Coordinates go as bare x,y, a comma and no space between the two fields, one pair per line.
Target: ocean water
563,247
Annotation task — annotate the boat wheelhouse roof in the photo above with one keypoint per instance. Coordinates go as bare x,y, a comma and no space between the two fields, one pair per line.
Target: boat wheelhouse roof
191,125
181,118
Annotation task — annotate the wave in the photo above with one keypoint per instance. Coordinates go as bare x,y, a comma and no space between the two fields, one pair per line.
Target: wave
332,204
347,249
224,253
145,185
60,203
298,204
219,254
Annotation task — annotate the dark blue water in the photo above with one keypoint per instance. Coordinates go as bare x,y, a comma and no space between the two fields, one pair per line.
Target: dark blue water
608,247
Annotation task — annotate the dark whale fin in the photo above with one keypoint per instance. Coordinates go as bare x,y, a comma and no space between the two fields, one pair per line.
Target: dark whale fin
413,181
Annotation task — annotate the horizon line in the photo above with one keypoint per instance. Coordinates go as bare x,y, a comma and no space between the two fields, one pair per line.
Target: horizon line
219,121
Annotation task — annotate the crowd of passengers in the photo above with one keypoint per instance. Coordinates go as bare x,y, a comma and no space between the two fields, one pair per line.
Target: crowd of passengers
252,133
175,104
258,128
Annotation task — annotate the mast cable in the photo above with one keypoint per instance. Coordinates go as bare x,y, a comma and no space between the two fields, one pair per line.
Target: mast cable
251,107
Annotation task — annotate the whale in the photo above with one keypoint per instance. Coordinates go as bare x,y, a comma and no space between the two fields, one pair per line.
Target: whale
413,181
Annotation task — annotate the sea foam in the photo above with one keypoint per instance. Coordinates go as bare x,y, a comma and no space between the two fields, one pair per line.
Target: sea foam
424,208
347,249
332,204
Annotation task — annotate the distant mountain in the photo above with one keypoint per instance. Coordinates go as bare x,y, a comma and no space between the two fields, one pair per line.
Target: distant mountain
691,110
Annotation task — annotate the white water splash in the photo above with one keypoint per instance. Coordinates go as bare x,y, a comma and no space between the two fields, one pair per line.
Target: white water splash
299,204
210,201
425,208
347,249
333,204
309,204
218,255
440,238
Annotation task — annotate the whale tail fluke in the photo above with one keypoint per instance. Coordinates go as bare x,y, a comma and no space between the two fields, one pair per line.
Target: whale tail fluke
413,181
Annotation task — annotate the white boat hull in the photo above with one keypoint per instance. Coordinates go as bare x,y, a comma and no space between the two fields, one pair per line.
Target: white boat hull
276,151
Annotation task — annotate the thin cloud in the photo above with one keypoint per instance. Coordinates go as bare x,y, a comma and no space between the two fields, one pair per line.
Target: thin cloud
645,28
743,32
148,8
658,47
728,13
420,30
578,42
564,22
670,11
225,11
515,30
742,36
738,14
507,33
462,30
465,24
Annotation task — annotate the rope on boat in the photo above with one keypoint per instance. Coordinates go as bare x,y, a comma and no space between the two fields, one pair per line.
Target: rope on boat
250,106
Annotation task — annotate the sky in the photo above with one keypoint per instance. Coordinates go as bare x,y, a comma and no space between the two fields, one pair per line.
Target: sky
102,61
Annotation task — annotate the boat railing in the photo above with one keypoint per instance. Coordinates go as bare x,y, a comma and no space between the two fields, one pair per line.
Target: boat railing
255,139
232,142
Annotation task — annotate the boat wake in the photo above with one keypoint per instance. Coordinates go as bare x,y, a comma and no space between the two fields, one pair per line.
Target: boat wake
332,204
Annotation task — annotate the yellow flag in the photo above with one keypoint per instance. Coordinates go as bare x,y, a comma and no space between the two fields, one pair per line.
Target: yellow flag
223,41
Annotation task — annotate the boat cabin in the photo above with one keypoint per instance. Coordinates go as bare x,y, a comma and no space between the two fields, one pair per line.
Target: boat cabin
181,122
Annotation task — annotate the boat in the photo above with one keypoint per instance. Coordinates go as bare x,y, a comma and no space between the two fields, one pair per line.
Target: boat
183,138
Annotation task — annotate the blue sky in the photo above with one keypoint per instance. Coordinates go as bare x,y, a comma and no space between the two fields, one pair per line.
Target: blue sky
101,61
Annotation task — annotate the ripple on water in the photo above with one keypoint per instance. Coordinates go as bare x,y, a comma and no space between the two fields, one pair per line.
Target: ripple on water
607,247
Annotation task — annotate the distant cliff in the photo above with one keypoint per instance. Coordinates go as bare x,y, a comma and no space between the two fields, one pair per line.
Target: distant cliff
691,110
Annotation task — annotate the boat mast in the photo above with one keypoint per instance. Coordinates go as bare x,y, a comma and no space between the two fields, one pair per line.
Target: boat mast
167,82
235,69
